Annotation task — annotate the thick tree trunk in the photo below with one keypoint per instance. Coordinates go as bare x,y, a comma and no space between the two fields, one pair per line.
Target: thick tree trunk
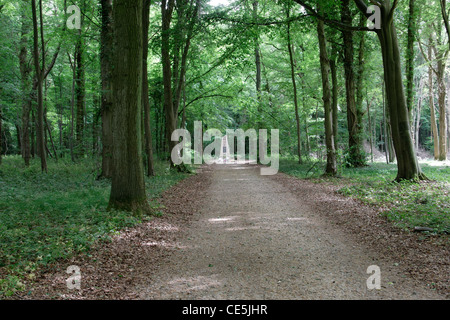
145,101
331,168
128,186
407,164
106,47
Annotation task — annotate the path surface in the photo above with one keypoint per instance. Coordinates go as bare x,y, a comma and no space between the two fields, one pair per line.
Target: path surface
253,238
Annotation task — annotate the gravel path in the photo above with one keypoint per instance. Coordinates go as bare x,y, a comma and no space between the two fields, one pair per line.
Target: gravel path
254,238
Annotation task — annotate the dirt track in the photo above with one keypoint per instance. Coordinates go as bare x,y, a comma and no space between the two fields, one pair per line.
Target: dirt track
254,238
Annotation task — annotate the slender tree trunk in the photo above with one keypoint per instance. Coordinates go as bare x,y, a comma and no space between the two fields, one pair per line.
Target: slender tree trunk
294,86
80,93
145,101
40,78
442,107
106,47
25,86
128,186
334,82
418,116
166,14
434,129
410,56
51,138
1,134
370,130
72,111
331,168
257,64
33,128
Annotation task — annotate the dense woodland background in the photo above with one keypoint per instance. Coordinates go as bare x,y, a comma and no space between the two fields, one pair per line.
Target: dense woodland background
100,103
251,64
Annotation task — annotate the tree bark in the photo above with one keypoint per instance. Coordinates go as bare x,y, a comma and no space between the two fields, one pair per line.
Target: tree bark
294,86
106,47
171,120
434,130
356,156
257,64
80,93
128,185
407,164
331,167
441,58
1,134
40,78
334,82
25,86
410,56
145,101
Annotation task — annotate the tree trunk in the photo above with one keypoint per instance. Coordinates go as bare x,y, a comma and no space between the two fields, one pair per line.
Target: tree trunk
171,119
80,92
442,107
1,133
145,101
258,64
33,128
106,47
331,168
407,164
294,86
434,129
410,56
334,82
418,115
25,86
356,156
40,78
370,130
128,186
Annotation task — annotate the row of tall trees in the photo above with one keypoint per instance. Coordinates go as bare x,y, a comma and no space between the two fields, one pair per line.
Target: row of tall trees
136,70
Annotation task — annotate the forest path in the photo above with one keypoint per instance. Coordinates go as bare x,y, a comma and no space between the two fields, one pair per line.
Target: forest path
254,238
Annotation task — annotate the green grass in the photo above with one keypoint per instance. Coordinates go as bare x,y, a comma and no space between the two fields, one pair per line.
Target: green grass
45,217
406,204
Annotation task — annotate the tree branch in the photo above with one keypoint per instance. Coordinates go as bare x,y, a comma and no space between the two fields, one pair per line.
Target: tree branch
330,22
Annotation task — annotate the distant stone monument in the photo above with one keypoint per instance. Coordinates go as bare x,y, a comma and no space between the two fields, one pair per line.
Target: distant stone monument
224,150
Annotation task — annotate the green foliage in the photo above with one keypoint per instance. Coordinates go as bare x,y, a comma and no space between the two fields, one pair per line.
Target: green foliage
45,217
406,204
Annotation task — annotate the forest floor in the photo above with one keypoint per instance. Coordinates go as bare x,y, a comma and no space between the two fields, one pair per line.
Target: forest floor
230,233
